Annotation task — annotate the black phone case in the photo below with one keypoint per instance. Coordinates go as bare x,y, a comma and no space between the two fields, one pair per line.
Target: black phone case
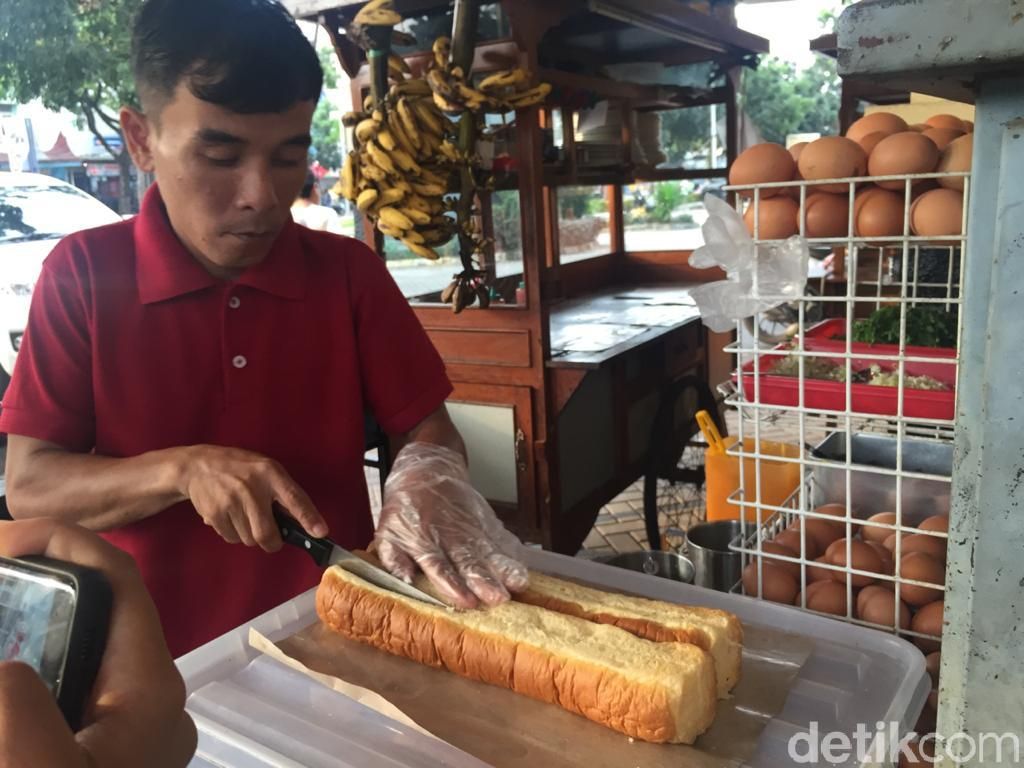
89,628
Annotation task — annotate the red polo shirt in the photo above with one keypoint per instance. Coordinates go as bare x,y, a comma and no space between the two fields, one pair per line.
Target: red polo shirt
132,347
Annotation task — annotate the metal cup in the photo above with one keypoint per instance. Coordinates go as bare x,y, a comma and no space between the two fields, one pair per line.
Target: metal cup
668,565
707,546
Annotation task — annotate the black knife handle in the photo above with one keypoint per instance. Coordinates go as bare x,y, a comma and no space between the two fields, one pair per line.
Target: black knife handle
294,534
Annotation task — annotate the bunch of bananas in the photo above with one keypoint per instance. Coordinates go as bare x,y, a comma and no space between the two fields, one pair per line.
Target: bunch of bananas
502,92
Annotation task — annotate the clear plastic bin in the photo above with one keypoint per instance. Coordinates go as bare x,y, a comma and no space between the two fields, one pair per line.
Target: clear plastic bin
252,712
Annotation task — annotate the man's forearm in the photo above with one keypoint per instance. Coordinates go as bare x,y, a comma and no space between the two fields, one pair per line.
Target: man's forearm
96,492
437,429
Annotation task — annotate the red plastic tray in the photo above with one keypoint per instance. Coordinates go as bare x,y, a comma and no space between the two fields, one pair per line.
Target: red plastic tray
826,395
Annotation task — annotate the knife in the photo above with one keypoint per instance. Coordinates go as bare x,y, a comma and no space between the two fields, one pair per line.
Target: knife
326,553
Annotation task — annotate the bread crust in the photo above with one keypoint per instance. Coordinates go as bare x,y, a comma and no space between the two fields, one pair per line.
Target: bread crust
662,693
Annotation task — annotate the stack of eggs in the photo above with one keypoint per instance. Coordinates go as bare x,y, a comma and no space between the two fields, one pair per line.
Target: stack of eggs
871,549
879,144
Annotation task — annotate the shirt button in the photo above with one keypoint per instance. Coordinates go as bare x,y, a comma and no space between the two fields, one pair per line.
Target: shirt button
239,361
234,302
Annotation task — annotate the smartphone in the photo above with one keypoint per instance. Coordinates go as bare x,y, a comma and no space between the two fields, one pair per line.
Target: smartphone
54,616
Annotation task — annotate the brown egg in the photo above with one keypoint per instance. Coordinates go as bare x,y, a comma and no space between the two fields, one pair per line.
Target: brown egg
832,157
928,621
901,154
933,662
862,558
826,597
935,523
778,218
919,127
942,136
791,538
924,542
797,149
819,574
933,700
824,532
880,608
890,542
777,584
826,215
968,126
873,533
876,122
938,213
838,510
865,594
870,141
918,566
888,564
946,121
880,214
762,164
774,548
956,158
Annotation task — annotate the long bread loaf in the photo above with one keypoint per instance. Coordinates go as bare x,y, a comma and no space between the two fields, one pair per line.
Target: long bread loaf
660,692
717,632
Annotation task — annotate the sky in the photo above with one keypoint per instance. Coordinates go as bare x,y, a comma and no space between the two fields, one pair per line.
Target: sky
788,24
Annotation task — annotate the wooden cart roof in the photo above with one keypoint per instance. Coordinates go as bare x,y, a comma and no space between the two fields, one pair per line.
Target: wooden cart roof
616,31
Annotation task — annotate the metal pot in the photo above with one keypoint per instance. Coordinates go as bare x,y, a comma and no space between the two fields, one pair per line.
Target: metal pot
667,565
707,546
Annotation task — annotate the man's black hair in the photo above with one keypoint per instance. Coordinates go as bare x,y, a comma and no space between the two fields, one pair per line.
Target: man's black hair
307,188
248,56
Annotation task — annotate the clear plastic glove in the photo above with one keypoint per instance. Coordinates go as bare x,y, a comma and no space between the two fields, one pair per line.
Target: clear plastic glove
433,518
758,277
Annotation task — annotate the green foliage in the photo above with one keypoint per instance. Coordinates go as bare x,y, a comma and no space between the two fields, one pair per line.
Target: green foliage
927,326
508,234
574,202
667,197
329,63
782,100
326,133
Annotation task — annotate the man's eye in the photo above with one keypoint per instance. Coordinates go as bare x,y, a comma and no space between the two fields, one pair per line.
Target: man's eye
221,162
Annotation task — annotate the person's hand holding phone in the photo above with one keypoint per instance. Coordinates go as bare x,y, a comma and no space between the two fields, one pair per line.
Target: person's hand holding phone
135,715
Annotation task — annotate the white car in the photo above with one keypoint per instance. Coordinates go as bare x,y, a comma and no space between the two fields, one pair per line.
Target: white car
35,212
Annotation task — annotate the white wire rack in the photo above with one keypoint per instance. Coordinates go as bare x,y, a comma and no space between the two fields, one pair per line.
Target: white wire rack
903,271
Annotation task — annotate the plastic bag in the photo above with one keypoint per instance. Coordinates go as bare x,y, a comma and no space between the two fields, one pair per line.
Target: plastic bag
432,517
758,277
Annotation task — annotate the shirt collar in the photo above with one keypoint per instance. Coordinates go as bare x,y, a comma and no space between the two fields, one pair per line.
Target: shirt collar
164,269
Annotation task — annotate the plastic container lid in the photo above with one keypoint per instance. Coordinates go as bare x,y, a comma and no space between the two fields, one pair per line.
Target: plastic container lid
252,712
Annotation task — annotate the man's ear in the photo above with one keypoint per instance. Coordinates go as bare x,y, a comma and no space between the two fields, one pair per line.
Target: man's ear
138,137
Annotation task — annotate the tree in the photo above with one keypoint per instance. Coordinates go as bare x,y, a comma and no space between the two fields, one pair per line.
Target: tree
326,133
782,100
73,54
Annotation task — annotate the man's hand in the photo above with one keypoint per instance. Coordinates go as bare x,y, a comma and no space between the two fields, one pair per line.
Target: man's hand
433,518
136,713
234,492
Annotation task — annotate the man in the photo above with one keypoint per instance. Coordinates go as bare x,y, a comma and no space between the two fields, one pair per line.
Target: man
187,370
135,715
307,211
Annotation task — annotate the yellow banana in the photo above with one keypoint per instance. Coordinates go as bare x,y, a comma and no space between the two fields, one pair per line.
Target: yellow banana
427,117
410,144
440,83
413,237
418,203
428,190
377,15
535,95
404,161
450,151
390,231
416,217
396,219
430,141
428,176
442,50
390,196
373,172
350,119
450,107
367,129
386,140
408,118
504,79
348,177
368,103
397,64
421,250
403,185
381,159
436,237
366,198
415,87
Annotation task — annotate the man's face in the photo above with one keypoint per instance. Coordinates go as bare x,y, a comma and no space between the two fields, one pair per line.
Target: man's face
228,180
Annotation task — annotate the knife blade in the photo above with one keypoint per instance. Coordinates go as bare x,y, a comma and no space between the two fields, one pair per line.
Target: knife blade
326,553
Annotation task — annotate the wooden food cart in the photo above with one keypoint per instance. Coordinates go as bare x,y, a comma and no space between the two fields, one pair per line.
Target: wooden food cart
558,382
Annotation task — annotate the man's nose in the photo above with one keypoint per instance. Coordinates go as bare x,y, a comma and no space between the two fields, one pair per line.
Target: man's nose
256,191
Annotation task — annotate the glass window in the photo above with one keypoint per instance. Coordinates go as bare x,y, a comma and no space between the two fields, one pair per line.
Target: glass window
666,215
583,223
508,245
420,278
692,138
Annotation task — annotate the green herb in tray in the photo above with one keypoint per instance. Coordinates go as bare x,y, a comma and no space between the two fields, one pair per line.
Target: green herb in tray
927,326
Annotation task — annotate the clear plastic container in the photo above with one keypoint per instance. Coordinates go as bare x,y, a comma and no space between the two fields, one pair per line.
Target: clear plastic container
252,712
